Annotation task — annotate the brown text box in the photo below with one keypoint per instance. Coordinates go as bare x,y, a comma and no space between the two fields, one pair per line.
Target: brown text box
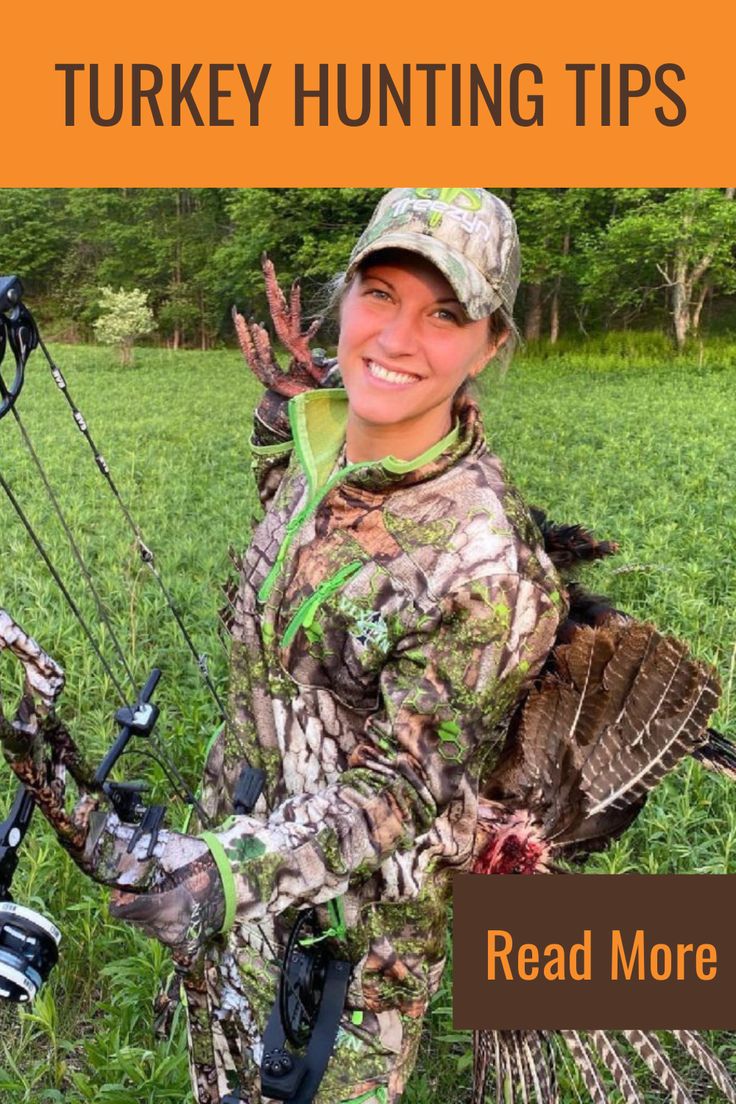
652,914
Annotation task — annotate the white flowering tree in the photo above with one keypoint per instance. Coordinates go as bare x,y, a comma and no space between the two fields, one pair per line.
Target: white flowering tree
125,316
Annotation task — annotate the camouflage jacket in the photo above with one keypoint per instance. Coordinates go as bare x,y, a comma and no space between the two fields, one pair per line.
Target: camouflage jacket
387,616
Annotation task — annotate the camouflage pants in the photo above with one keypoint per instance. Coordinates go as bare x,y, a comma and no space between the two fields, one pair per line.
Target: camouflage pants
371,1065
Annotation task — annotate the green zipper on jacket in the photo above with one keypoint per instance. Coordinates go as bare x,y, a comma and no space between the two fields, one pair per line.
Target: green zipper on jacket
312,471
306,611
295,524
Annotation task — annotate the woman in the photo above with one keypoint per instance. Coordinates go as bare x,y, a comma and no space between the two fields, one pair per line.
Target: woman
391,606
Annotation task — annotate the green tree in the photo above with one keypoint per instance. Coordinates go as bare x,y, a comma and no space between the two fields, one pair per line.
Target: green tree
33,236
124,316
307,232
553,225
162,239
675,247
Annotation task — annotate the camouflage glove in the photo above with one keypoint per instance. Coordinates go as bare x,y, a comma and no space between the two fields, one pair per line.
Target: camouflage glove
170,887
306,370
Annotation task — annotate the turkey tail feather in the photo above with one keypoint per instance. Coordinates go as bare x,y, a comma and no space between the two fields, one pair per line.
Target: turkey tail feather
663,719
520,1059
507,1075
718,754
617,707
707,1060
651,1051
620,708
523,1064
617,1065
585,1063
482,1043
541,1066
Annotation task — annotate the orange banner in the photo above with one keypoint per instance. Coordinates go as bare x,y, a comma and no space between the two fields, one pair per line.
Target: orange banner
147,94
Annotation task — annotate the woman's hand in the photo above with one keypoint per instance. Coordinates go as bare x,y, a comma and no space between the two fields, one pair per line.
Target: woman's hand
170,887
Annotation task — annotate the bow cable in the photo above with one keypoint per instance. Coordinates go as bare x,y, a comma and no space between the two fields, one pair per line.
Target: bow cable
23,343
145,552
24,338
157,751
74,547
61,585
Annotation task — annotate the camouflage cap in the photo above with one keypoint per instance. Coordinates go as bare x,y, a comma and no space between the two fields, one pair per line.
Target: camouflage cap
467,233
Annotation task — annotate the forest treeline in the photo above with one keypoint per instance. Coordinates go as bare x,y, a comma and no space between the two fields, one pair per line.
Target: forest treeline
593,259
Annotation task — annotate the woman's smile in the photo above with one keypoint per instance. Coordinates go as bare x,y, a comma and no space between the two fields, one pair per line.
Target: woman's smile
385,375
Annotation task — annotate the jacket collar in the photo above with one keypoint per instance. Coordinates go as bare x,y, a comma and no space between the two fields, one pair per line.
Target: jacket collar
318,419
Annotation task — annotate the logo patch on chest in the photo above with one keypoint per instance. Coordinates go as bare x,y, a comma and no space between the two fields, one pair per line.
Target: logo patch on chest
369,627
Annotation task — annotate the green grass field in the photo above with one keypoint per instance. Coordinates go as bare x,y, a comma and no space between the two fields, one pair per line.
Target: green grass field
622,436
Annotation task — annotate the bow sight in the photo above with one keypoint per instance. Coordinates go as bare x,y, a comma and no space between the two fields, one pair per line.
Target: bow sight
29,942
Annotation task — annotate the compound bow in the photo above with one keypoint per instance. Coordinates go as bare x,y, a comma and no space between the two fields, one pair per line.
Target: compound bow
36,743
41,752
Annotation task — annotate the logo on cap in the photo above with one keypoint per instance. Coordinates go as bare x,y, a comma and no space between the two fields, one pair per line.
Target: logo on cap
449,195
430,205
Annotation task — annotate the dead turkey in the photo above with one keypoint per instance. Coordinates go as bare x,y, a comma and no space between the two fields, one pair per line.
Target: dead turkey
617,706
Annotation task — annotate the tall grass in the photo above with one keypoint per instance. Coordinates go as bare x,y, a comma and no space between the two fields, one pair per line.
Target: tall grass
625,438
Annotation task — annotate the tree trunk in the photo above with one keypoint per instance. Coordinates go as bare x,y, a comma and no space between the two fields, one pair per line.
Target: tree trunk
699,307
554,311
177,266
533,315
554,321
681,303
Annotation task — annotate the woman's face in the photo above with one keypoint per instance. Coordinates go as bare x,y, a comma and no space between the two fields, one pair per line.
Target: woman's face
405,348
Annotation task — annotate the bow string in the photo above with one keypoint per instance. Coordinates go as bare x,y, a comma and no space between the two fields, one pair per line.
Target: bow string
19,333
